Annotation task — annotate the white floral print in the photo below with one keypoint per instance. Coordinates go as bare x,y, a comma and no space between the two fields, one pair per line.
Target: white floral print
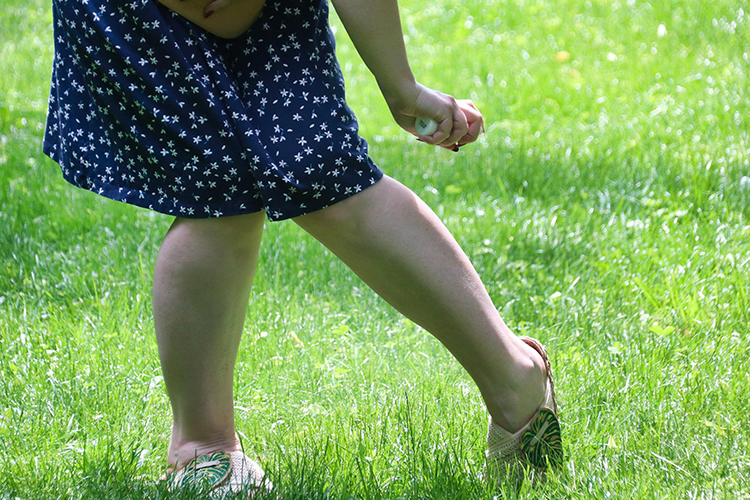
147,108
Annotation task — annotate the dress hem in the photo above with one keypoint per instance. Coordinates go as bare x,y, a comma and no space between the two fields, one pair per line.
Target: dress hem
223,209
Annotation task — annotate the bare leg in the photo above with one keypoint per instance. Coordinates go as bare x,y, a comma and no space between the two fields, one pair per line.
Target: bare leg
202,280
397,245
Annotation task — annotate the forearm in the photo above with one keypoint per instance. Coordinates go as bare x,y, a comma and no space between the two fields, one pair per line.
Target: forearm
375,28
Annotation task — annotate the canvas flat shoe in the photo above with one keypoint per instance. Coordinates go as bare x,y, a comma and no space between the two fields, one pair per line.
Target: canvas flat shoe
537,445
221,472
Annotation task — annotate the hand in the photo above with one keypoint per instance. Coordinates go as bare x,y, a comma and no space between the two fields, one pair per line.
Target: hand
459,121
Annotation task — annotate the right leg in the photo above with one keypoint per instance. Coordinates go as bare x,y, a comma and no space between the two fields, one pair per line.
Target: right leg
202,280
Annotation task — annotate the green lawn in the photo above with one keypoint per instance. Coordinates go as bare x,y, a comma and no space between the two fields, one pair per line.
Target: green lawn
606,209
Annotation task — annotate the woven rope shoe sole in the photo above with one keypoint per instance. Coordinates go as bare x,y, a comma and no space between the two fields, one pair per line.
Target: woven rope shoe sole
222,472
537,445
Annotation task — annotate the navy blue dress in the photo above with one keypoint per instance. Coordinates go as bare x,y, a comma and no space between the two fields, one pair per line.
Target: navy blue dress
149,109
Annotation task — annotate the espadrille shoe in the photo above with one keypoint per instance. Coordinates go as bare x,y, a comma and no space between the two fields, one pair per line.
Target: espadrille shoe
537,445
222,472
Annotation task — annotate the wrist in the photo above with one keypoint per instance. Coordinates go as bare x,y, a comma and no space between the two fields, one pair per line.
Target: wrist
400,93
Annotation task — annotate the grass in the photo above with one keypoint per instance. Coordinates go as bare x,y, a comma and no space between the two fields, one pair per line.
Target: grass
606,211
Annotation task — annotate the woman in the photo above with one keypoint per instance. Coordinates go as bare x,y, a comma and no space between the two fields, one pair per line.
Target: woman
223,113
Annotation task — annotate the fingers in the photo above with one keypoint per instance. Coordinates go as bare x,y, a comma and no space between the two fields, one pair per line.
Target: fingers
443,131
464,127
459,128
475,120
214,6
450,128
459,121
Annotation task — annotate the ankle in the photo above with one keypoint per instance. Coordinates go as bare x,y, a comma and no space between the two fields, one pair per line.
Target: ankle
514,404
181,451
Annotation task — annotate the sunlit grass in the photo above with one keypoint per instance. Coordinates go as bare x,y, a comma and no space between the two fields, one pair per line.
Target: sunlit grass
606,210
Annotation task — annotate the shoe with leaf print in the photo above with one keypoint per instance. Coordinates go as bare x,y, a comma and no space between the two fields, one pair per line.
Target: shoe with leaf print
536,446
220,472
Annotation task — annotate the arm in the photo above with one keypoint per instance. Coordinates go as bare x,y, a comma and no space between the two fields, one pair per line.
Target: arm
375,29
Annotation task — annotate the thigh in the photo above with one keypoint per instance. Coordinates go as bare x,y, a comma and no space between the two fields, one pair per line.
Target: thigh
380,203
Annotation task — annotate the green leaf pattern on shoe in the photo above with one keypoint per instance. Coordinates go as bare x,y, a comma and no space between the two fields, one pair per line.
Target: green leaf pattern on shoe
542,441
207,471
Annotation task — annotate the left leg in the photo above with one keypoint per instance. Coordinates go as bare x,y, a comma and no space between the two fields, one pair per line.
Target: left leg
397,245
